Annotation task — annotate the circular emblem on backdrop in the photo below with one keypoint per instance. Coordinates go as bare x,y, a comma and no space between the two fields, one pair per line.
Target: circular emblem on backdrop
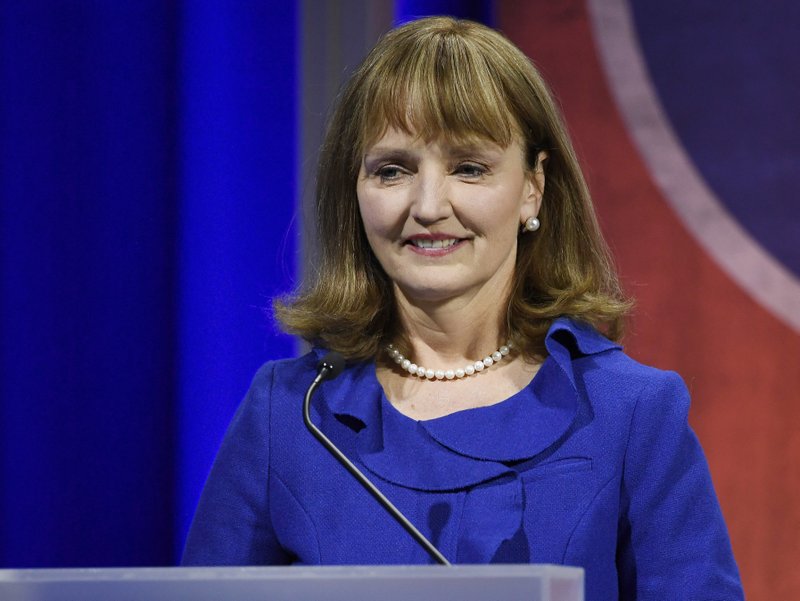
716,123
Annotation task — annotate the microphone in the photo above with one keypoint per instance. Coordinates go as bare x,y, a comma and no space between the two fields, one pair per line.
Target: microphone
329,367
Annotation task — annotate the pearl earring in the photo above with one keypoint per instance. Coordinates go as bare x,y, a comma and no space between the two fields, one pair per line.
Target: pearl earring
532,224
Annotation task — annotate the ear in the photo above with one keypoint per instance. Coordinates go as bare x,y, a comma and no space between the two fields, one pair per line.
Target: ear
534,189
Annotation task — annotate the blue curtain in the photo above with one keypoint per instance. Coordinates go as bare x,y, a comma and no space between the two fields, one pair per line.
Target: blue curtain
147,169
482,11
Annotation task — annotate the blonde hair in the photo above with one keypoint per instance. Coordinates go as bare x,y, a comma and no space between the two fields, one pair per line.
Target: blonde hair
443,77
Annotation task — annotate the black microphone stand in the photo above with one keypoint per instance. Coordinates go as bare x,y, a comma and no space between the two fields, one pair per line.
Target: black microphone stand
328,368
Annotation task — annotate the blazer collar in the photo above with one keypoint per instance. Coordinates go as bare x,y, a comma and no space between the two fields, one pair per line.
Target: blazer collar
469,447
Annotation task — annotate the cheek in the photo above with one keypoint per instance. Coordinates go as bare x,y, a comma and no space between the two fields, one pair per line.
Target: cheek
497,216
371,218
365,208
379,220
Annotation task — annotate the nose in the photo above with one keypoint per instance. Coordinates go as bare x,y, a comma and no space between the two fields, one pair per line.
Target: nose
431,202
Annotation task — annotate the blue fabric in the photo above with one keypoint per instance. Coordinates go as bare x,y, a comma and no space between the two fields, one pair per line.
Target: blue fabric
592,465
475,10
147,200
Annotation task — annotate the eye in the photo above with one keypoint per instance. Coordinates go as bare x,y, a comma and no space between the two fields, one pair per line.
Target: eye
471,170
390,173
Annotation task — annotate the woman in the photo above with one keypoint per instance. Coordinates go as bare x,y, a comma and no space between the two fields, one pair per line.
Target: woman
464,277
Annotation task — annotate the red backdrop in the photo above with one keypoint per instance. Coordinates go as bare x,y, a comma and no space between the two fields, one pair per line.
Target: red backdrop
741,362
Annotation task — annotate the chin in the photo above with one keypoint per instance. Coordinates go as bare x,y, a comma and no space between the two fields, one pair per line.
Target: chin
430,291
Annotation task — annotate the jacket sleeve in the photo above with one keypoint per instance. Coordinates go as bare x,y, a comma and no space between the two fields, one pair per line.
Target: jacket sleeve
673,543
232,523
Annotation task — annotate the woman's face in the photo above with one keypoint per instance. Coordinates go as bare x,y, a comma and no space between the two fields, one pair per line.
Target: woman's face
442,217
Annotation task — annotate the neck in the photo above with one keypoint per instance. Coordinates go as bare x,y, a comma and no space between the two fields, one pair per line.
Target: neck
451,332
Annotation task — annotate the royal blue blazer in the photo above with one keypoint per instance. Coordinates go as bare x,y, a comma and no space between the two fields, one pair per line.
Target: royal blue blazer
592,465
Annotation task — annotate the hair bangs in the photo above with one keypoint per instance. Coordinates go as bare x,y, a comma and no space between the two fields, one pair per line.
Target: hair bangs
436,89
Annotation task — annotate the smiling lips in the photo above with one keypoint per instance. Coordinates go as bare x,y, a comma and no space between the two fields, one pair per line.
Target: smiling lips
434,245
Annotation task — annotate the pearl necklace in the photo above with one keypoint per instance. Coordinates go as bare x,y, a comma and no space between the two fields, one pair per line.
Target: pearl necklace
449,374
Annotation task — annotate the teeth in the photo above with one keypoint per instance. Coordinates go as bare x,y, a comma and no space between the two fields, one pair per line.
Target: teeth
434,243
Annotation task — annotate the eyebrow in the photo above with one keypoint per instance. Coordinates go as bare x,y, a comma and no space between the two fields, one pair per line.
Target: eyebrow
378,153
459,151
389,151
469,150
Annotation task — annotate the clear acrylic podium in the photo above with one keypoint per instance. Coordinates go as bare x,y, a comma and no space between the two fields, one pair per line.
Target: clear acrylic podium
333,583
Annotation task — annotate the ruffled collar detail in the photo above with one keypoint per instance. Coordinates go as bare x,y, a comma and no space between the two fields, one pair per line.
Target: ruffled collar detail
470,447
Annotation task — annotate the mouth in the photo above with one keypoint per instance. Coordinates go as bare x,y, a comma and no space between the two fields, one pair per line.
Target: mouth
433,245
427,243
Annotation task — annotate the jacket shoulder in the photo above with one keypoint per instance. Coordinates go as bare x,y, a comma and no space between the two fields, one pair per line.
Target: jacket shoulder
616,377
